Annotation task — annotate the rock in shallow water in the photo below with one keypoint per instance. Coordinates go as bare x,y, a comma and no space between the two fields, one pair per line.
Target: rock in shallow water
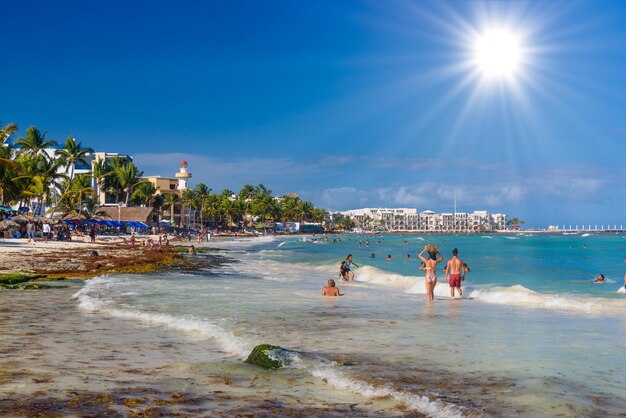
268,356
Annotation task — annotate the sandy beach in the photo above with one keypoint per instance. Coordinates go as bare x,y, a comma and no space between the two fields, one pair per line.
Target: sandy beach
76,259
58,360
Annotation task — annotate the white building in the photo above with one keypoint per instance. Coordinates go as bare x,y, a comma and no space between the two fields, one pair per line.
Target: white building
408,219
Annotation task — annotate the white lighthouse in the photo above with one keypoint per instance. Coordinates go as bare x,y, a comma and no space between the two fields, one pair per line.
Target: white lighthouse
183,176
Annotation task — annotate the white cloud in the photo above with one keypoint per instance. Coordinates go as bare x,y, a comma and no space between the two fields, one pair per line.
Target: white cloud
342,198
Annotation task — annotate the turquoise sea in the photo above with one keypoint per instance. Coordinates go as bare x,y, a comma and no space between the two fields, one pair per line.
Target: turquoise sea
532,335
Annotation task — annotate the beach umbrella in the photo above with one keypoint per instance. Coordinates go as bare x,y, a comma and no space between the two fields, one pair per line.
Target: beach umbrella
8,223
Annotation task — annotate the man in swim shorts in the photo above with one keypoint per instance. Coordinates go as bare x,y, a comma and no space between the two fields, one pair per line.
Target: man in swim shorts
331,290
453,269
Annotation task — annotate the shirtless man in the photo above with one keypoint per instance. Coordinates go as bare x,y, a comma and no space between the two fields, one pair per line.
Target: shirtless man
453,270
431,274
331,290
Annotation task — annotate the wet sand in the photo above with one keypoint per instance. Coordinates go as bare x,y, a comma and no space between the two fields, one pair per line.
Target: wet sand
57,360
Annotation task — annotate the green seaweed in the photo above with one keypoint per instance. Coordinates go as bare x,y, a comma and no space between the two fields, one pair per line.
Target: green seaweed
260,356
26,286
14,278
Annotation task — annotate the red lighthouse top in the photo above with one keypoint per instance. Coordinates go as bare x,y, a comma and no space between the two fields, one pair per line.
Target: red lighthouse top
183,162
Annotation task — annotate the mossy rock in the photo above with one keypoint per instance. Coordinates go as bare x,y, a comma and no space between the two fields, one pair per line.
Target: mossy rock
25,286
264,355
13,278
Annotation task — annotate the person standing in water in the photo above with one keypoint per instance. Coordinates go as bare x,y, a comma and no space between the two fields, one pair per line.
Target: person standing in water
453,270
347,268
431,267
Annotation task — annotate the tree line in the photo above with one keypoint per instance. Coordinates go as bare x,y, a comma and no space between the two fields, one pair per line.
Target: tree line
28,173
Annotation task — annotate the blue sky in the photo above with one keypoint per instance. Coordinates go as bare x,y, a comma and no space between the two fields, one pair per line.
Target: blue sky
350,104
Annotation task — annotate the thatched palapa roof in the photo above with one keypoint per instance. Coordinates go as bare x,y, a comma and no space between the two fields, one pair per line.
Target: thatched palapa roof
128,214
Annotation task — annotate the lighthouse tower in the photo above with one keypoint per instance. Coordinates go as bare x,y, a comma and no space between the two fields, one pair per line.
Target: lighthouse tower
183,176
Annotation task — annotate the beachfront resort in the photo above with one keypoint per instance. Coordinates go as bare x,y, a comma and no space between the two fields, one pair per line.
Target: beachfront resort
410,220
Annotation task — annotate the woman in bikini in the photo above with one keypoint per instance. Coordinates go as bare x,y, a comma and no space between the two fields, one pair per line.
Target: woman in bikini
431,266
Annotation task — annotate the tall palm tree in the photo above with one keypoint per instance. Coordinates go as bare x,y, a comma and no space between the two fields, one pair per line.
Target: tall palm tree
72,153
34,142
41,176
202,192
170,201
128,177
189,200
157,203
99,171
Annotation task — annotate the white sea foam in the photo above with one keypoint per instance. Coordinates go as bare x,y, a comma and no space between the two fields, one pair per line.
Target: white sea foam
520,296
240,243
585,235
622,290
507,295
422,404
90,300
369,274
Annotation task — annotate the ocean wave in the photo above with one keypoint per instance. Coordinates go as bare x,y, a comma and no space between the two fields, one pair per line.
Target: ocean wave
369,274
422,404
89,300
521,296
516,295
239,243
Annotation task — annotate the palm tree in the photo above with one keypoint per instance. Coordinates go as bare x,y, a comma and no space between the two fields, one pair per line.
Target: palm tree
128,177
99,171
71,154
41,176
144,193
170,200
6,132
188,199
202,192
34,142
8,167
157,202
306,210
290,210
79,188
232,210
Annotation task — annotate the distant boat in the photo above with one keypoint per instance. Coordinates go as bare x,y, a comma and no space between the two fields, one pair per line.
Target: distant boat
372,232
570,233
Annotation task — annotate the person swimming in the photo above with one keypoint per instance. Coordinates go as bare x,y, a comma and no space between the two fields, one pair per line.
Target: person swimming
331,290
599,279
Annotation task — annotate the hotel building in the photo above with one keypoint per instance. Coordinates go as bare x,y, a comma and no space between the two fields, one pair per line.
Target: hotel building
408,219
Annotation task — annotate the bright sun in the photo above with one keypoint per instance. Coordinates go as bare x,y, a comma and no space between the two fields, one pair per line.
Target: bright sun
497,53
